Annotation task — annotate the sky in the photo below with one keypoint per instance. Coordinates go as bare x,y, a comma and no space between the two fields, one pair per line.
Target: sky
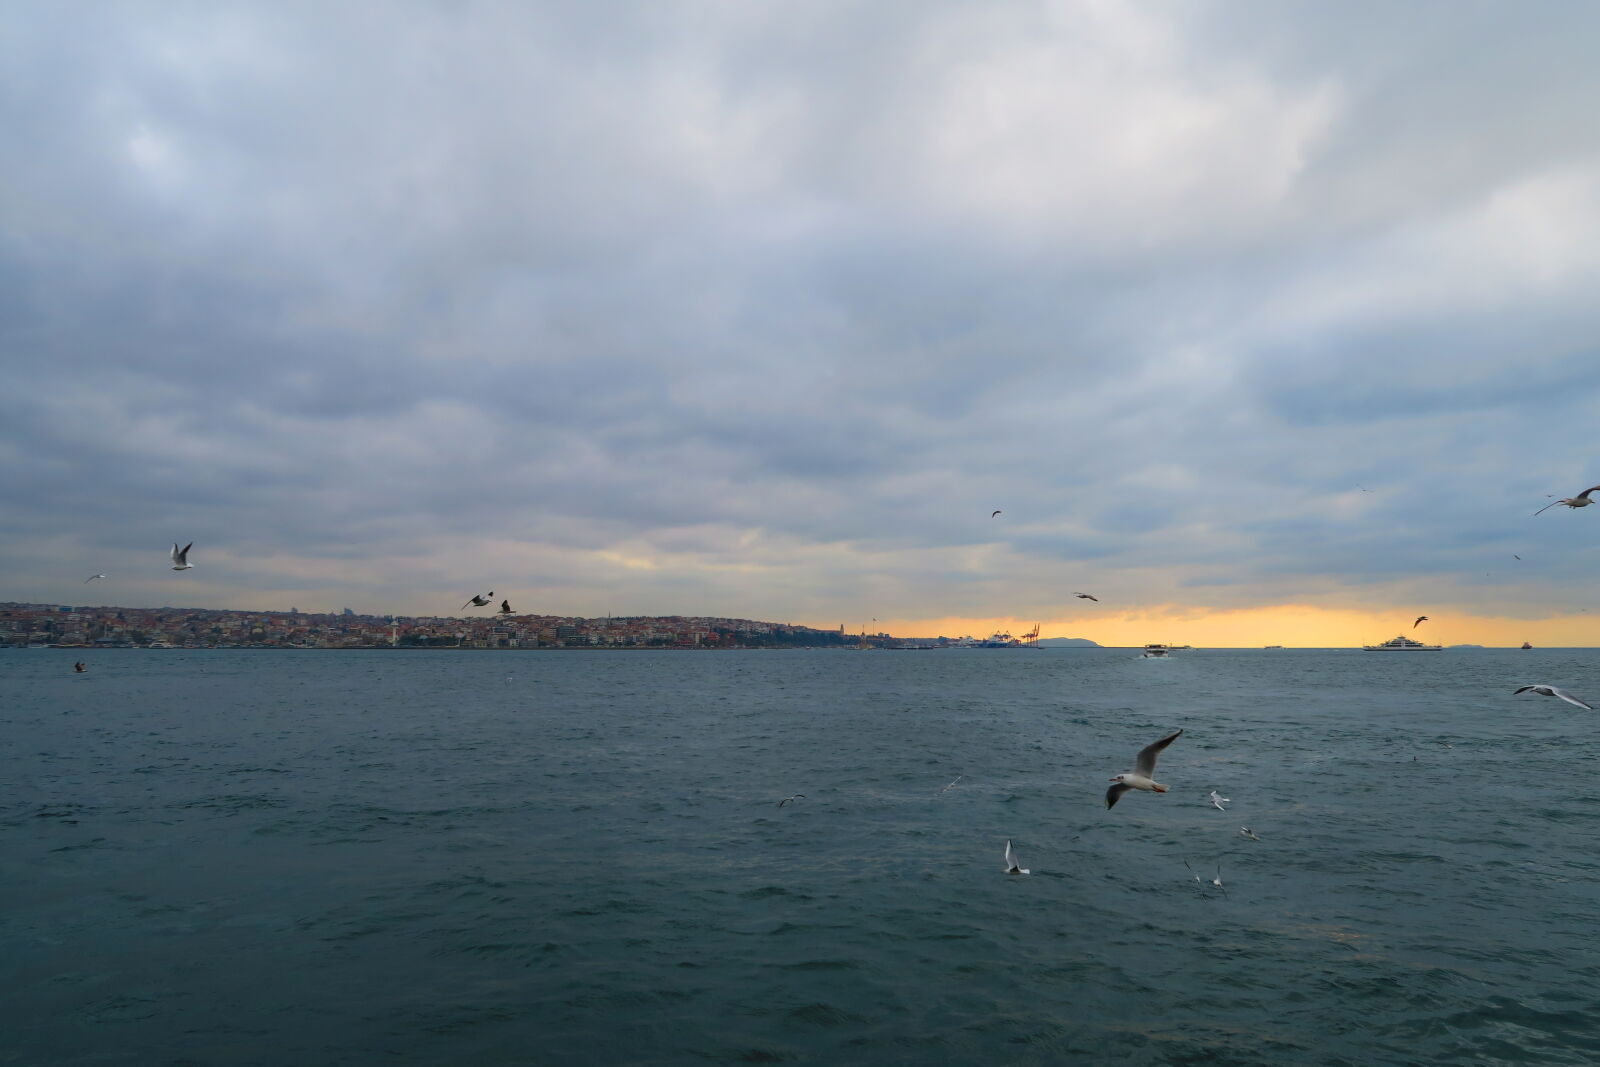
1265,322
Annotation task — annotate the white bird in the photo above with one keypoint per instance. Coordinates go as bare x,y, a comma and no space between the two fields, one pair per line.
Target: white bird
1140,777
1217,802
479,601
1086,596
1247,832
1552,691
505,607
1012,866
791,800
180,557
952,785
1580,501
1217,881
92,577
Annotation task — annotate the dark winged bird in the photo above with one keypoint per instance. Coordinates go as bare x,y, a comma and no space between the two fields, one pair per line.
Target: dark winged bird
1086,596
1580,501
791,800
505,607
1143,768
480,601
1420,620
994,513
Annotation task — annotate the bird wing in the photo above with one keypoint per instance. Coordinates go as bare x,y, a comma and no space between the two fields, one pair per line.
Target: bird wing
1011,863
1585,494
505,606
1569,698
175,552
1146,763
1115,793
1547,507
996,513
1524,689
1420,620
468,604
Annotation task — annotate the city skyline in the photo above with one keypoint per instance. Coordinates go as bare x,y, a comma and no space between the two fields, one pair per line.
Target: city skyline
1255,320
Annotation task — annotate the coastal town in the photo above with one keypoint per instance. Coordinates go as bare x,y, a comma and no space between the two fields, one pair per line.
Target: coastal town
66,626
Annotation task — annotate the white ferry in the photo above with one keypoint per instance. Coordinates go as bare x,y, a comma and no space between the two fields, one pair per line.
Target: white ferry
1401,643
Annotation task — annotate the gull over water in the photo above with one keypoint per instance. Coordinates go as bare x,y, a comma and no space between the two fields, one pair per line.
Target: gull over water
1013,866
1141,777
1553,691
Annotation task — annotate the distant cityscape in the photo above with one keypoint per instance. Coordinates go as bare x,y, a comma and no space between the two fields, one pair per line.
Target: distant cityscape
66,626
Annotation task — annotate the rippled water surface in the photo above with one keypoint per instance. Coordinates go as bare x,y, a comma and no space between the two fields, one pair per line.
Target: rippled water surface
577,858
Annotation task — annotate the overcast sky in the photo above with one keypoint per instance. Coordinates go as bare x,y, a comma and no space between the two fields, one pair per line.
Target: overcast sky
760,309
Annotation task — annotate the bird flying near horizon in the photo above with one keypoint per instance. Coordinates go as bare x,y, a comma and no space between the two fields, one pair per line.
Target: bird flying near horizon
92,577
180,557
505,607
1086,596
479,601
1420,619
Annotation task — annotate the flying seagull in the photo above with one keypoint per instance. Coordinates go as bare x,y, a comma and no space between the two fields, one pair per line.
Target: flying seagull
1217,881
994,513
1247,832
1139,778
1420,620
1580,501
1086,596
1217,802
1012,866
92,577
1552,691
180,557
952,785
791,800
1515,556
505,607
479,601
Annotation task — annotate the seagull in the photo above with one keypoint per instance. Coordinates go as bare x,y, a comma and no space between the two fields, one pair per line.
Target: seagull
505,607
1580,501
1420,620
1217,881
1515,556
791,800
952,785
994,513
1247,832
479,601
180,557
1086,596
1217,802
92,577
1144,767
1552,691
1012,866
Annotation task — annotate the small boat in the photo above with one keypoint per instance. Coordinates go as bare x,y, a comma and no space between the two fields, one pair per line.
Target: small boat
1274,646
1525,645
1156,651
1401,643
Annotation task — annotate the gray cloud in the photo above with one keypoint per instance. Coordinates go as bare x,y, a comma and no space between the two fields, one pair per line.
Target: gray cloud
762,310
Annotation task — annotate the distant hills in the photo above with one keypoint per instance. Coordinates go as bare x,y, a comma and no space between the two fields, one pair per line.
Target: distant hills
1068,642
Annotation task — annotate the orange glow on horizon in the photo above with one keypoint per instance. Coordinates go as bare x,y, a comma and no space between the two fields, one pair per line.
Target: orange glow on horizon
1290,625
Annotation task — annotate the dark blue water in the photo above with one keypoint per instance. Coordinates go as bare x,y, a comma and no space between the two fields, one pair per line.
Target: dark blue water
578,858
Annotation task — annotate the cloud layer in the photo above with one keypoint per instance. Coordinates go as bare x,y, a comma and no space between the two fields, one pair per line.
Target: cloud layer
761,309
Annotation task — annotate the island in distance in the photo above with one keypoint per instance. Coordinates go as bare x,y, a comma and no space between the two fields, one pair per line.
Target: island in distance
1068,642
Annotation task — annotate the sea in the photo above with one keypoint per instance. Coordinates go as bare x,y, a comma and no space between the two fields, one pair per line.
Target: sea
241,857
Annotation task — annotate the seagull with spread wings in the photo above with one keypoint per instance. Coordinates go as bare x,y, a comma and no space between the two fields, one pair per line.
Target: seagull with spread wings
1580,501
1143,768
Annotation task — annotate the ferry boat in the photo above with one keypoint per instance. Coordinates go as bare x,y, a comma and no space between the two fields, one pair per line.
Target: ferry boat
1526,646
1155,651
1401,643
